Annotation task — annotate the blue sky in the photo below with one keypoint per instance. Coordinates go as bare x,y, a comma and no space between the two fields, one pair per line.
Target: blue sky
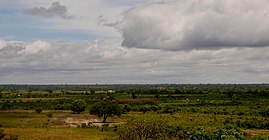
15,24
137,41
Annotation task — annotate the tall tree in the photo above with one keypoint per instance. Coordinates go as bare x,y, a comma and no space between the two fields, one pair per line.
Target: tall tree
106,108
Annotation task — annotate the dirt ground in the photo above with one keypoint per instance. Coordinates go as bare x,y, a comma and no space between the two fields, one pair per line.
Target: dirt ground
73,121
255,132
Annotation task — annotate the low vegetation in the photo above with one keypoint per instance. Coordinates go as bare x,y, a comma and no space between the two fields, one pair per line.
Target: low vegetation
193,112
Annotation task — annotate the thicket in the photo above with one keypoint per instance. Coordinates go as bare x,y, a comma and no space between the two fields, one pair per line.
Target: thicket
148,128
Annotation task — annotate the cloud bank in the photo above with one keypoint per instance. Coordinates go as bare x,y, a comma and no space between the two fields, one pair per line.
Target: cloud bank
106,61
183,41
197,24
55,10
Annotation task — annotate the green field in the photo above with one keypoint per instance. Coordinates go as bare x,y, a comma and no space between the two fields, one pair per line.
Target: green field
210,107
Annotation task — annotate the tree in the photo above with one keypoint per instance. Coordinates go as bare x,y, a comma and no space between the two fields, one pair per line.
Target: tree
92,91
145,108
230,94
78,106
200,134
157,96
133,95
154,108
146,128
106,108
228,133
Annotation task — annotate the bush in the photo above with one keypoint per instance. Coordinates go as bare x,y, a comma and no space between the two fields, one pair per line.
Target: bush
78,106
38,110
84,125
154,108
105,127
127,108
200,134
169,109
228,133
50,114
145,108
146,128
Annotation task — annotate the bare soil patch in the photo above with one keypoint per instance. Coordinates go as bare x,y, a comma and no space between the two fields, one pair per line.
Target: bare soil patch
251,133
73,121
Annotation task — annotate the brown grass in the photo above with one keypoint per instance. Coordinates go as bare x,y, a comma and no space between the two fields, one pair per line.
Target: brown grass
56,134
255,132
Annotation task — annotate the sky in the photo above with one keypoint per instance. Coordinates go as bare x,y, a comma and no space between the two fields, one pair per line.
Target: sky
134,41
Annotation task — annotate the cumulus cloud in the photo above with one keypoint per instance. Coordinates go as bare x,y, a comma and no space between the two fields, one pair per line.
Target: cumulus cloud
55,10
197,24
106,61
36,47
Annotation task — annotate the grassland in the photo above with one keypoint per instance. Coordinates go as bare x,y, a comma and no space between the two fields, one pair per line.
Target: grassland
245,107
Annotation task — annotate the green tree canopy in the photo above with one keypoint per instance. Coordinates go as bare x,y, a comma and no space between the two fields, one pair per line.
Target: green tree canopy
147,128
106,108
78,105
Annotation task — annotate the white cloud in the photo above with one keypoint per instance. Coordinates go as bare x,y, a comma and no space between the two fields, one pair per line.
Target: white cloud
196,24
106,61
55,10
36,47
216,42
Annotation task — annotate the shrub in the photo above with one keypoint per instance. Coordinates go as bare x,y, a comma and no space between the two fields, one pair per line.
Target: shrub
50,114
84,125
154,108
169,109
200,134
78,106
228,133
127,108
145,108
38,110
146,128
105,127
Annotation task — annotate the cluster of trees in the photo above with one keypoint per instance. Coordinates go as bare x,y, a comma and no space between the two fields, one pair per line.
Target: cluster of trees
103,108
149,128
249,123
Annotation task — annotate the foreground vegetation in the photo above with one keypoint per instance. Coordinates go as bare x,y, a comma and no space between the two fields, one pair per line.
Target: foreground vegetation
114,111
